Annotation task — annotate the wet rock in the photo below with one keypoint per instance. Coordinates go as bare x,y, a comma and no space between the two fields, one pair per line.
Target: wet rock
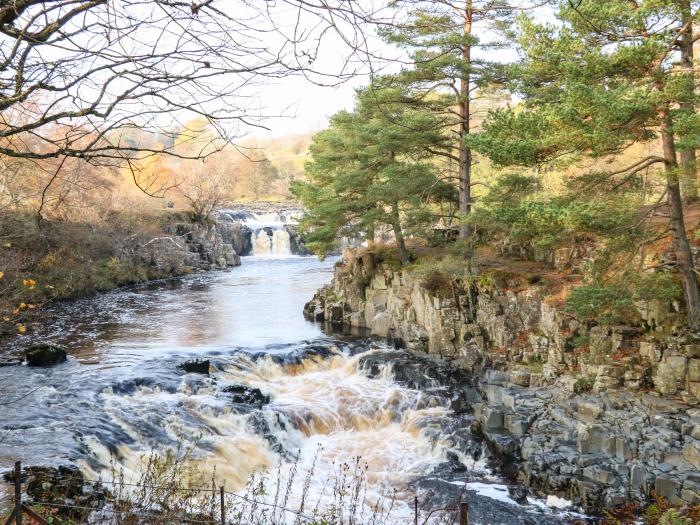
10,361
250,397
235,234
425,373
296,242
196,366
231,258
516,361
518,494
260,424
45,354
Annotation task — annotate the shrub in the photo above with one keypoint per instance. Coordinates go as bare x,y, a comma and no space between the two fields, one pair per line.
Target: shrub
661,286
583,384
605,304
437,283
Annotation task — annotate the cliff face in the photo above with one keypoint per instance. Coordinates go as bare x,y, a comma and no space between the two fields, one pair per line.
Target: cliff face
600,415
187,247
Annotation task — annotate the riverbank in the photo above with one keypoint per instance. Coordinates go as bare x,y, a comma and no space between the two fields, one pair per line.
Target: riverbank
51,261
601,415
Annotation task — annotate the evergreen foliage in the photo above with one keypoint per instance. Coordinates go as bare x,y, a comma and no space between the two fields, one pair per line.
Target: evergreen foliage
370,169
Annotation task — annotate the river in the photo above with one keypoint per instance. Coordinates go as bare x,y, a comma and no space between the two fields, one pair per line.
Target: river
122,394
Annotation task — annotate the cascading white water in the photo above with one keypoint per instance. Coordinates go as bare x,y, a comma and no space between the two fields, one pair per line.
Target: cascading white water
270,237
276,244
262,244
280,243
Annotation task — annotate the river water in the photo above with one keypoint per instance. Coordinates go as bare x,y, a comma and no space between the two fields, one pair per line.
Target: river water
122,394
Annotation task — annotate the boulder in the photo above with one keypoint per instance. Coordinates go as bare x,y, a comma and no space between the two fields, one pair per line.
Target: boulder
248,396
45,354
196,366
230,256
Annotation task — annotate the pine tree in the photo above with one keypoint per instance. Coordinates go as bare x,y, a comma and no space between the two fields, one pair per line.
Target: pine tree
447,41
370,169
604,77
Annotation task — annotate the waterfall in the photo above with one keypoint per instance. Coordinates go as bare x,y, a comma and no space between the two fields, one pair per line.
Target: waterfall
265,234
262,244
280,242
271,243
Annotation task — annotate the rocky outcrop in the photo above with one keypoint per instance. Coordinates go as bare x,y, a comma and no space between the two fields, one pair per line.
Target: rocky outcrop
247,397
45,355
196,366
600,415
297,246
599,450
234,232
190,247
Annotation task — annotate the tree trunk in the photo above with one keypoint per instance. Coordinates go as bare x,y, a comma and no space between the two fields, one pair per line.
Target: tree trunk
465,154
398,234
370,234
684,256
688,159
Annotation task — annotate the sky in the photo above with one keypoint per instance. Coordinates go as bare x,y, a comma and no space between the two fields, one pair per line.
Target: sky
307,105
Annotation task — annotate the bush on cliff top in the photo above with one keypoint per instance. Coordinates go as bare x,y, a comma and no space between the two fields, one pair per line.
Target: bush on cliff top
617,302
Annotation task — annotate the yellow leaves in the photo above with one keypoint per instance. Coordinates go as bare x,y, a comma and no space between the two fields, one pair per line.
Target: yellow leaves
21,329
22,306
6,319
29,283
2,274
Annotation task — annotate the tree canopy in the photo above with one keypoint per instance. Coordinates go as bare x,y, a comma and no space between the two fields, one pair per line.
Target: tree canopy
371,169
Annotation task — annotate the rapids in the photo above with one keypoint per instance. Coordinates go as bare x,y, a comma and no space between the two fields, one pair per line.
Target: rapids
122,393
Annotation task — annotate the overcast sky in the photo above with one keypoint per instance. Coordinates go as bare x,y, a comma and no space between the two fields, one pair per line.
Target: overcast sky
307,106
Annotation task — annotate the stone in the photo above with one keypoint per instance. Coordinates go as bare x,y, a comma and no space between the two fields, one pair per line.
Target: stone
520,377
196,366
495,377
692,350
670,374
231,258
9,361
590,494
335,312
638,476
691,453
694,389
381,324
590,409
44,354
599,474
518,494
650,350
516,424
623,451
247,396
690,493
668,486
492,418
694,370
596,439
